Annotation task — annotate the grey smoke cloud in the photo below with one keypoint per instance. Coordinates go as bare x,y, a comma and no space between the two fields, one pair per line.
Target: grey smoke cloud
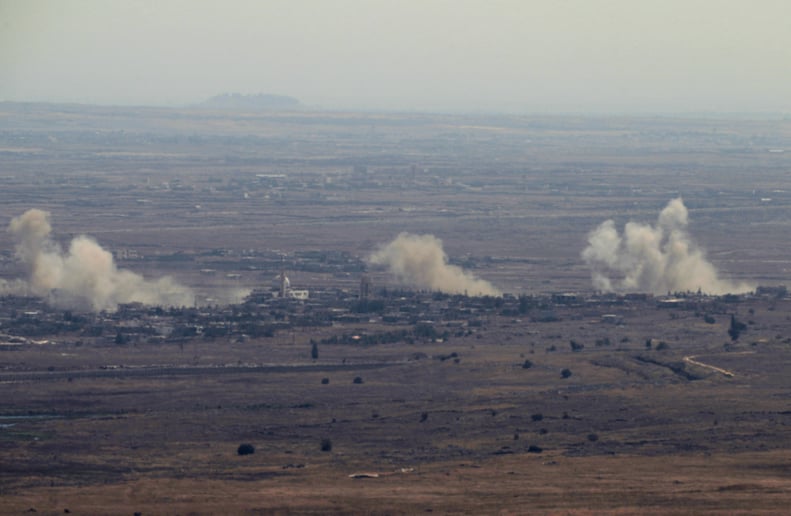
420,261
656,259
85,274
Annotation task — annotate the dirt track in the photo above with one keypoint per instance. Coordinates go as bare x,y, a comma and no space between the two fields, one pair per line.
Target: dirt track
690,359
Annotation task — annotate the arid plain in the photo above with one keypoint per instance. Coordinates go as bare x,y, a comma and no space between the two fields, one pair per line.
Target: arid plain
556,399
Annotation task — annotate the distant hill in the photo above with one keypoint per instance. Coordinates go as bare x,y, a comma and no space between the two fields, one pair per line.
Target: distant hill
255,102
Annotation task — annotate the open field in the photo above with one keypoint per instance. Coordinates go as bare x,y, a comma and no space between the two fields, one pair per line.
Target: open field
521,191
626,432
462,406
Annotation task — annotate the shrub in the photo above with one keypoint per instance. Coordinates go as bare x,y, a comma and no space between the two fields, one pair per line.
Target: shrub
565,373
326,445
534,449
593,438
527,364
736,328
537,417
245,449
325,381
357,379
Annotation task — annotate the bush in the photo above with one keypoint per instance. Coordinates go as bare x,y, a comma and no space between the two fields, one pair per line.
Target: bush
537,417
245,449
357,379
534,449
565,373
326,445
527,365
593,438
325,381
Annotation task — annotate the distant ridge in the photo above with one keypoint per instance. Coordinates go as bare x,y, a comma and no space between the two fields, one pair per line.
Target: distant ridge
263,101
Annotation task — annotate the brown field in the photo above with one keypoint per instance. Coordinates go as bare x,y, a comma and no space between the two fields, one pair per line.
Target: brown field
96,428
441,435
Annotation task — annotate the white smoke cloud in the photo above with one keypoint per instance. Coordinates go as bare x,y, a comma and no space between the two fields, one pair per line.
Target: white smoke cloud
420,261
656,259
85,275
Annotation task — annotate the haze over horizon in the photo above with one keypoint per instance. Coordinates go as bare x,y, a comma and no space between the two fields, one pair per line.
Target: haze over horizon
511,56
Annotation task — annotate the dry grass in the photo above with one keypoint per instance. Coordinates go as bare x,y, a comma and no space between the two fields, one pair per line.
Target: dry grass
516,196
665,445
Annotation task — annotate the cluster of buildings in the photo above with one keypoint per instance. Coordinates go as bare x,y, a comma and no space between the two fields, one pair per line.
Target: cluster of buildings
26,320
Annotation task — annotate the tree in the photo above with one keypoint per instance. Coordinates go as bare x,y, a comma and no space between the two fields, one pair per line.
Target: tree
603,342
245,449
736,328
314,350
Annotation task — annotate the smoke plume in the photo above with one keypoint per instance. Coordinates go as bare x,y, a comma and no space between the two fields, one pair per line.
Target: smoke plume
655,259
420,261
85,275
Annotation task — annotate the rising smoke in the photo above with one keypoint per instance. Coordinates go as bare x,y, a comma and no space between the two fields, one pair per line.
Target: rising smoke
656,259
420,261
85,276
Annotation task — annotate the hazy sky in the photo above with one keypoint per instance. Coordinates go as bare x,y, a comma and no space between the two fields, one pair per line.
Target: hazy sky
437,55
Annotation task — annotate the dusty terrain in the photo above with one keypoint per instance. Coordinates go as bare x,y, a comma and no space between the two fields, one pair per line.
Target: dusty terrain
644,423
624,433
521,191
